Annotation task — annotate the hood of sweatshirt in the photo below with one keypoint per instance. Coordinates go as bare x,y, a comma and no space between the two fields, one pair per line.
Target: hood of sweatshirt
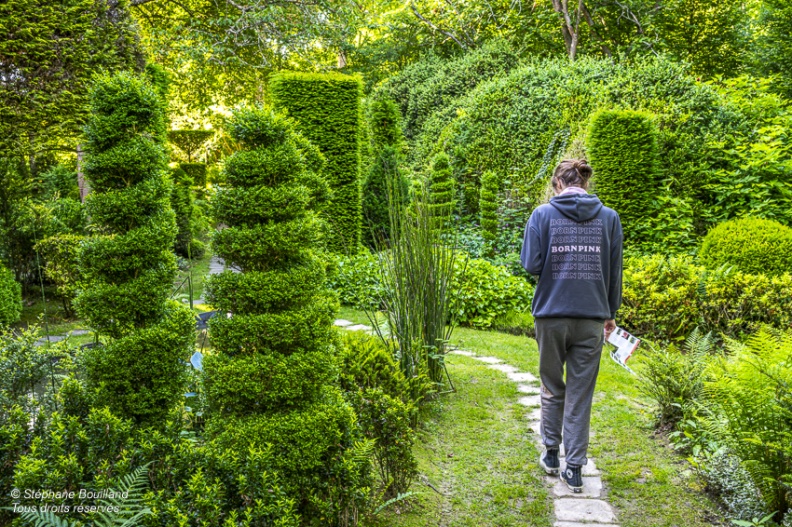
578,207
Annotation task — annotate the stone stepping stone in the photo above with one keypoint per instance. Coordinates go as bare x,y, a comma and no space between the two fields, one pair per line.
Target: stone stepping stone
535,415
489,360
52,340
522,377
583,510
359,327
342,323
462,352
530,400
525,388
578,524
78,332
505,368
592,487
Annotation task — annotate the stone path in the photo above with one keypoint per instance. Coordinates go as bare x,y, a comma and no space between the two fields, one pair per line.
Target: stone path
585,509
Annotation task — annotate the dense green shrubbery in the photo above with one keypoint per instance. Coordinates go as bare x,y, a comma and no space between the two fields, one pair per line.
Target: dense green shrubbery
483,292
521,121
326,108
269,380
622,147
751,245
62,254
380,393
433,85
129,267
667,298
10,298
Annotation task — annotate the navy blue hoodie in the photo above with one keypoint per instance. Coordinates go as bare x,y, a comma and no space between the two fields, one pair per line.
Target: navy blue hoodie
574,245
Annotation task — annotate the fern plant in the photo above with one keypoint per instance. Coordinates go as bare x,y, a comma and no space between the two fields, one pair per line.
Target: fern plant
117,511
673,377
750,397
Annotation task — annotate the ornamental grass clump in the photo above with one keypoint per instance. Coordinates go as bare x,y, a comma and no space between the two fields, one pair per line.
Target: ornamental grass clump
270,380
128,266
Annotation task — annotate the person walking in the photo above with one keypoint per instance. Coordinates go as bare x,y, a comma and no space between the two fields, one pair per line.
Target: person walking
573,245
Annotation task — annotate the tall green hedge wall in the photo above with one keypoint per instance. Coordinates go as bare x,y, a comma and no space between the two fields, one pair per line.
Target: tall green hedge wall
128,268
270,378
622,146
327,110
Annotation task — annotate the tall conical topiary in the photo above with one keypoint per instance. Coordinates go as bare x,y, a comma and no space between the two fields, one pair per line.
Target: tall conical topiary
387,144
128,265
441,192
270,378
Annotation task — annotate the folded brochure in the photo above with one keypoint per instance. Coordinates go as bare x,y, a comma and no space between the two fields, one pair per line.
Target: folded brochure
625,345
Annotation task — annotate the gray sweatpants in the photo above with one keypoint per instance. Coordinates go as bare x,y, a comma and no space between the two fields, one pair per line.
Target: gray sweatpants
567,406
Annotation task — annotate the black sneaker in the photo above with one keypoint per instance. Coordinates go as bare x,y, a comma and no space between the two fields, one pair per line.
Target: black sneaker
549,461
572,477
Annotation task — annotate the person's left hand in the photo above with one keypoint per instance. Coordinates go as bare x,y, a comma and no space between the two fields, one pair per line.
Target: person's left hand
610,325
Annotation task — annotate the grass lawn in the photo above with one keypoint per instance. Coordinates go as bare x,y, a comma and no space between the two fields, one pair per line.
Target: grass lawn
647,482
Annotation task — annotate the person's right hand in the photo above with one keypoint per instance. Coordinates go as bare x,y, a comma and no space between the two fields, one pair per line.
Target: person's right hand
610,325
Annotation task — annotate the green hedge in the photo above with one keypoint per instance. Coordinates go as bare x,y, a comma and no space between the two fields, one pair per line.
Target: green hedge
752,245
488,209
129,267
327,110
269,381
622,147
10,297
196,172
667,298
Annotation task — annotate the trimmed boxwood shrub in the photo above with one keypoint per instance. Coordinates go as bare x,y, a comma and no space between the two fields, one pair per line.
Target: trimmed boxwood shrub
752,245
622,146
128,268
269,380
327,110
196,172
10,297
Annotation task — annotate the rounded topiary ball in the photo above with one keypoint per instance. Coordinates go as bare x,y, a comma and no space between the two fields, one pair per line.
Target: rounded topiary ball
752,245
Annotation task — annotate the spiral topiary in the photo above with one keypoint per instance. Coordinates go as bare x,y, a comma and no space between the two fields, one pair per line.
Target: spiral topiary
441,192
128,267
270,378
752,245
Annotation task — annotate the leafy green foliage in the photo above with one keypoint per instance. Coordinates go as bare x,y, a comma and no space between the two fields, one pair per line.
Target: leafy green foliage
61,254
673,377
269,380
622,145
196,172
181,201
128,267
327,110
750,396
49,65
380,394
10,298
667,298
751,245
484,292
189,141
488,209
